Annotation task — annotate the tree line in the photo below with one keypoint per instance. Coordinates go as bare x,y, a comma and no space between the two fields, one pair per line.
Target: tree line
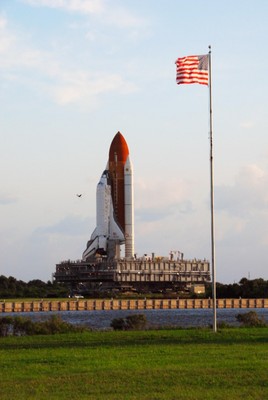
10,288
245,288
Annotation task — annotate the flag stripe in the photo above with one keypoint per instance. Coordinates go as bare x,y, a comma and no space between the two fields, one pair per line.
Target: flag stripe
192,69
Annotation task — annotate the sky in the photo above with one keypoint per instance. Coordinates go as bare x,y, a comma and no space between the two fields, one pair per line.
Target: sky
75,72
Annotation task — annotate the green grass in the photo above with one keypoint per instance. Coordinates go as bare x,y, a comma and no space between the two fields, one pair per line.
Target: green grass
151,365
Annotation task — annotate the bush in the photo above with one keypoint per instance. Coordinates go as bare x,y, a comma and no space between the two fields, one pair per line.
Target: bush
131,322
136,322
5,326
251,319
21,326
118,324
56,325
223,325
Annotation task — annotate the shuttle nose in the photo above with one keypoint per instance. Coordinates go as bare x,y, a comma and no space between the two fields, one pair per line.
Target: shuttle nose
118,149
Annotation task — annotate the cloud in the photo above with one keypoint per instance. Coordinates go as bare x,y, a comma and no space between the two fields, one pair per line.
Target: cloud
160,192
160,199
248,195
160,213
247,124
47,73
6,38
71,225
109,12
33,255
241,224
15,54
77,86
2,22
242,209
79,6
122,18
5,199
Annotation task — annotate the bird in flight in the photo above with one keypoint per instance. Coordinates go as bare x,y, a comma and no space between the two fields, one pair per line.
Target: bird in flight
79,195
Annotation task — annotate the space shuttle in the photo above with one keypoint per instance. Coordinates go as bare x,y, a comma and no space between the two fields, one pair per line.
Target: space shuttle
114,206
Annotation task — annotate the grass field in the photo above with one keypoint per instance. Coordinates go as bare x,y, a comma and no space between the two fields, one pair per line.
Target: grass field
151,365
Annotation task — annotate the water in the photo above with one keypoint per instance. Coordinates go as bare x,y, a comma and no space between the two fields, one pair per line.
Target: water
155,318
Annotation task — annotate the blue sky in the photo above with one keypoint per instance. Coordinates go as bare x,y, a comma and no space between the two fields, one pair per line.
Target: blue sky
74,72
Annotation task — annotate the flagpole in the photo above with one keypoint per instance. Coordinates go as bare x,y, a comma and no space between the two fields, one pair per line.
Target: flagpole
214,297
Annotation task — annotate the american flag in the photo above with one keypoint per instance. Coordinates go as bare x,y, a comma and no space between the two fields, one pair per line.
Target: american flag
192,69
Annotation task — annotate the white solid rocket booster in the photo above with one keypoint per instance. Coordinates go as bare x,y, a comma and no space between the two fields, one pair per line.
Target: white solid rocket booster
129,206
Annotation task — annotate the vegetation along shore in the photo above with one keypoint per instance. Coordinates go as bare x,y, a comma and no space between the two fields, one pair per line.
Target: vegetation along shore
12,288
